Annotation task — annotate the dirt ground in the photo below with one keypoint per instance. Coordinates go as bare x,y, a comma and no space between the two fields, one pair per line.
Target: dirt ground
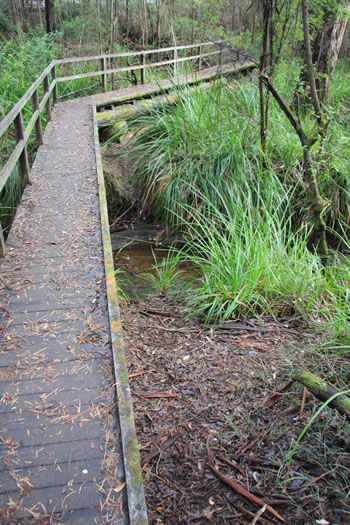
204,428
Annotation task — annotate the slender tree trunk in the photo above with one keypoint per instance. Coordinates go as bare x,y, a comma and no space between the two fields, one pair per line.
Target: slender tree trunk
158,23
48,7
265,63
318,204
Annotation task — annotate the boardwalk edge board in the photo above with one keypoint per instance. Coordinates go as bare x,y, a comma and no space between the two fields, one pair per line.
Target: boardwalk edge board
131,453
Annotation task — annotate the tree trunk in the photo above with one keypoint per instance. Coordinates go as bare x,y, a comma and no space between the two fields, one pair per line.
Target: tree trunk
48,7
325,50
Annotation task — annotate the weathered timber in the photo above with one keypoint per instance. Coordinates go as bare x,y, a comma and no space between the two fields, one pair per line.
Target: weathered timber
324,392
130,111
168,85
133,472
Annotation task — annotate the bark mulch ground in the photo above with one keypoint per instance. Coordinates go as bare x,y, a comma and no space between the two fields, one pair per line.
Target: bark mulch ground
205,431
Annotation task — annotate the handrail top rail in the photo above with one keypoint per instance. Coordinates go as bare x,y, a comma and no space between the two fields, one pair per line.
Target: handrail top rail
71,60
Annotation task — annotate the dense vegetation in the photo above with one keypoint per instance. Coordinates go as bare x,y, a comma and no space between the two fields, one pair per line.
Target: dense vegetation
223,165
247,228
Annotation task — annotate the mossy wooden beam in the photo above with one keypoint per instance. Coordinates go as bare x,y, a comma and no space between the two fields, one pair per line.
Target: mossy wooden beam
324,391
131,453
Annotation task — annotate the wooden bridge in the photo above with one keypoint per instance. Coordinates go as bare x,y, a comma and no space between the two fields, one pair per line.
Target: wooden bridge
68,446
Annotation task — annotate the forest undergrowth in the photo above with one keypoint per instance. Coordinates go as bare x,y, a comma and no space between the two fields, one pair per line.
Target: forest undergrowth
247,229
248,239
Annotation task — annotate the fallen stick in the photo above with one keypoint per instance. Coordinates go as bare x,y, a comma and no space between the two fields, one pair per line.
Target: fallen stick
277,395
238,488
153,453
136,374
324,391
249,445
157,395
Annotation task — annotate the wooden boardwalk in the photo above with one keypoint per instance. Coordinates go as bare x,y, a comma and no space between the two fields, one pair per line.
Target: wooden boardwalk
61,457
61,444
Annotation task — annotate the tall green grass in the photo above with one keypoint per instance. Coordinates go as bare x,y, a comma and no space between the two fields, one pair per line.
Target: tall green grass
199,167
210,139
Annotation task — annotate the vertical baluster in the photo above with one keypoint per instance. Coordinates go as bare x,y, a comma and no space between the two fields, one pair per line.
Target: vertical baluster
53,76
200,58
2,243
38,130
175,62
143,62
220,54
48,104
104,75
23,159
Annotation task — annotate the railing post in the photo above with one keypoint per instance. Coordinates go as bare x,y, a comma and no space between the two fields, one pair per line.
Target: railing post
143,62
2,243
104,74
53,76
220,55
48,104
200,58
175,62
38,130
23,159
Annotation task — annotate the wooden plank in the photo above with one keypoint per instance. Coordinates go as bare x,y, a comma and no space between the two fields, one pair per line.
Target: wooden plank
50,476
67,398
23,158
53,452
39,431
37,121
48,104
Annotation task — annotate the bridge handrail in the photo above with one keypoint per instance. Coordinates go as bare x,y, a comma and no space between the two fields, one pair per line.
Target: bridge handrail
14,116
19,152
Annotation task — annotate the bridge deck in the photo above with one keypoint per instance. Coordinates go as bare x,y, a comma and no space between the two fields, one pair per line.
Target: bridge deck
61,456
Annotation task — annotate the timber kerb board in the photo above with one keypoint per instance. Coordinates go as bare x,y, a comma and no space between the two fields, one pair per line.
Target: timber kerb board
50,78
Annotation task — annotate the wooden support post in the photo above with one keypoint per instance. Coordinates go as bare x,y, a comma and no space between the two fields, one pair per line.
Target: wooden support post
104,75
111,65
143,62
2,243
175,62
23,159
220,55
53,76
38,130
200,58
48,104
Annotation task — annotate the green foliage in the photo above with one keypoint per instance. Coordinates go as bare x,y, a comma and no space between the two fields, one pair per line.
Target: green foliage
21,62
165,276
211,139
199,167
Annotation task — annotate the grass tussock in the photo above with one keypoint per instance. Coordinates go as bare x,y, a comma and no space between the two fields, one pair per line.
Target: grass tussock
198,164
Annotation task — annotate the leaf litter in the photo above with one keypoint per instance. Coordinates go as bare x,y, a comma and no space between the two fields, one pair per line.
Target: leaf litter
233,410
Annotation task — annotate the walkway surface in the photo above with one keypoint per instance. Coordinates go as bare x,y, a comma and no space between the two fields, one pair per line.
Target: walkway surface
60,450
61,458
